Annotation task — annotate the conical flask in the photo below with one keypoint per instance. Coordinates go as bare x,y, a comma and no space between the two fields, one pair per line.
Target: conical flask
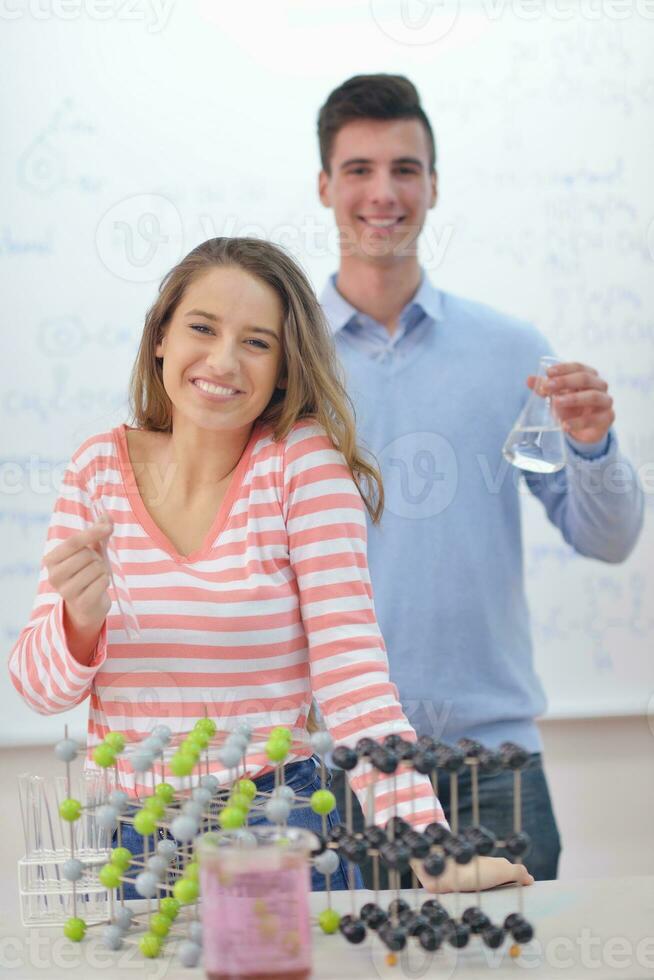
536,442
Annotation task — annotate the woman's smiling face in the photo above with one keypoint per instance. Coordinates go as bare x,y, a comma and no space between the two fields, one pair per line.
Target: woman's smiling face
222,350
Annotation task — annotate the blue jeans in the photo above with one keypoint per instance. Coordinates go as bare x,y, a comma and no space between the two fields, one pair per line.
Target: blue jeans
495,813
303,778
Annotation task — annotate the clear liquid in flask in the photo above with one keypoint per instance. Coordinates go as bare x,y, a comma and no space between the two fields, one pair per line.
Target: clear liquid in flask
536,442
539,450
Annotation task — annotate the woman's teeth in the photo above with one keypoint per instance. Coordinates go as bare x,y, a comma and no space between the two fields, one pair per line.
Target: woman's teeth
214,389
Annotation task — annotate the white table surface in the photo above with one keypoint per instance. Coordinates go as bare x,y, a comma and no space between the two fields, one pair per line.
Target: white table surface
596,928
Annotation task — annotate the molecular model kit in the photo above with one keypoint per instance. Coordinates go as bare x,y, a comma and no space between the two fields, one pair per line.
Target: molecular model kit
155,844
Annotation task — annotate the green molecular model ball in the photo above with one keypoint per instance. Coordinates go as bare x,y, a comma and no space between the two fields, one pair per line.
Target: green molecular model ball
160,925
328,920
247,787
186,891
181,764
150,945
70,810
164,792
205,725
115,741
192,871
189,749
109,876
281,732
240,801
169,907
198,739
121,858
323,801
145,823
231,818
104,756
276,749
75,930
155,806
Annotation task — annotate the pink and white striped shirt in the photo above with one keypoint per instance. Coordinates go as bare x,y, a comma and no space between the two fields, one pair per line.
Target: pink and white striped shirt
274,609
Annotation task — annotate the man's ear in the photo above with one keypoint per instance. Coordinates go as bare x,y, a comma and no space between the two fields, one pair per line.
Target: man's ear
434,189
323,189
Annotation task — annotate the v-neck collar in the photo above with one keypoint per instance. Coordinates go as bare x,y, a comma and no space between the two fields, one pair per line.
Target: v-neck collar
144,517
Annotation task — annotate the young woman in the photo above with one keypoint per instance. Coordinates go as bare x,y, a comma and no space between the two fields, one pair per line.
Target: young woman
236,506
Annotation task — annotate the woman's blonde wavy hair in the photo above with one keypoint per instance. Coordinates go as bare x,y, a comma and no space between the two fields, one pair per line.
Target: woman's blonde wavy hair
314,385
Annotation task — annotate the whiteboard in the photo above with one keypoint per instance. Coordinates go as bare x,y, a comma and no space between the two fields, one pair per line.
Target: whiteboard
130,138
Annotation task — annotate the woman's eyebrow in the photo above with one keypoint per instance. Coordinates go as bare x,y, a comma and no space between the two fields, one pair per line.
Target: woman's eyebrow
217,319
207,316
266,330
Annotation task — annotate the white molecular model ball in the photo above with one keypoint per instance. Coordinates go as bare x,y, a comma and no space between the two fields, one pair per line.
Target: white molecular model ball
152,744
284,793
277,810
167,849
73,869
210,783
237,739
141,760
107,816
189,953
322,742
202,795
112,937
123,917
230,755
119,799
163,733
157,864
184,827
326,863
146,884
66,750
193,808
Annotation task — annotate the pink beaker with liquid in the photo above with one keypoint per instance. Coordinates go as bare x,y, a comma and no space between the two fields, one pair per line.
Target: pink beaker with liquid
255,886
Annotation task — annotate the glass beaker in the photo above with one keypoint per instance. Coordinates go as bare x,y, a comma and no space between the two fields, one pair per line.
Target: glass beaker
255,903
536,443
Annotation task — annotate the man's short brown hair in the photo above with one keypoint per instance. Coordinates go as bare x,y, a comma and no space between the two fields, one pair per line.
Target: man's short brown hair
370,97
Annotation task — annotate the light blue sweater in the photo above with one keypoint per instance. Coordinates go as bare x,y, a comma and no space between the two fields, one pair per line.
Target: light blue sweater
435,403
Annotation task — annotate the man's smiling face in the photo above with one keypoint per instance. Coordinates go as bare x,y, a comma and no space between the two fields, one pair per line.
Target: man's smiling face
380,187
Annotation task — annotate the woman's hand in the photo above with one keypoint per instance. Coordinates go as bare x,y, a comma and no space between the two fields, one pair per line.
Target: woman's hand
463,877
79,573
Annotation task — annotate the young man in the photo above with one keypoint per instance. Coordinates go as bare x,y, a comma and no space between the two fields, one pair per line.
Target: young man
437,382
